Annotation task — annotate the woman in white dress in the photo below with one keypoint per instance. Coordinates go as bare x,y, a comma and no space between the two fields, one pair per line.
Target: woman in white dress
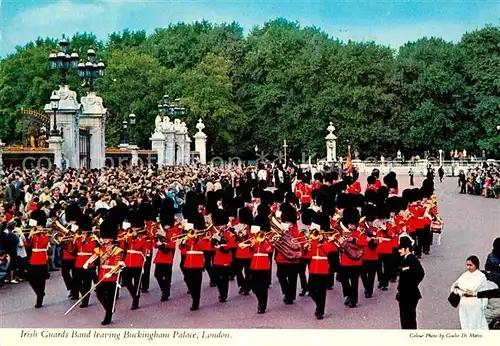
471,311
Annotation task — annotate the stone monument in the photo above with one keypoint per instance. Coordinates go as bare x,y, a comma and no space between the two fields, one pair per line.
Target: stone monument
93,117
200,142
68,119
331,144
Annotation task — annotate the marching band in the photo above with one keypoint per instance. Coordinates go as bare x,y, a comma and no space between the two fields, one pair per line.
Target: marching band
311,231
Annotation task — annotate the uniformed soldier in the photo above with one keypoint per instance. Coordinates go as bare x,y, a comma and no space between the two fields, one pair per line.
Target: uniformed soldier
37,270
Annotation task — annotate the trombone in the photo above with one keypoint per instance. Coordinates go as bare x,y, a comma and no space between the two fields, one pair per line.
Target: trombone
192,233
260,237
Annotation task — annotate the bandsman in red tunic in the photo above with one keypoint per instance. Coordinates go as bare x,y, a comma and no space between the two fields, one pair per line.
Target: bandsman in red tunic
136,247
243,255
149,215
69,252
38,271
164,258
110,256
319,247
85,245
288,269
351,269
194,262
371,260
223,240
260,265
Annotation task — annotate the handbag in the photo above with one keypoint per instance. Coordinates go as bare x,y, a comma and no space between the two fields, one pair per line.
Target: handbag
454,298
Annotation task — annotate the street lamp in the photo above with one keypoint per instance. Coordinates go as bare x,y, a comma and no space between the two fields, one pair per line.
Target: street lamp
131,120
168,109
124,132
256,152
54,104
89,71
62,60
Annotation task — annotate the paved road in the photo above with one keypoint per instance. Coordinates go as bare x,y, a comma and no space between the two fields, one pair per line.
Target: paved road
471,225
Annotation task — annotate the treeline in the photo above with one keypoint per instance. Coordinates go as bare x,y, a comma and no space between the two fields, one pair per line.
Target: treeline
282,82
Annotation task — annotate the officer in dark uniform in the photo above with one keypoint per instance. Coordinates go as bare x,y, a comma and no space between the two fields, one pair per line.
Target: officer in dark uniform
411,274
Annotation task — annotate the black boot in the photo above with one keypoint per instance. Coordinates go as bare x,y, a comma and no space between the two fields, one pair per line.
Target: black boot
164,297
107,319
261,310
135,304
39,302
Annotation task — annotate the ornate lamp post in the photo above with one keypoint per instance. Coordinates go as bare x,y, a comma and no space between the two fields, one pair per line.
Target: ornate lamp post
256,153
54,103
168,109
62,60
124,141
131,121
89,71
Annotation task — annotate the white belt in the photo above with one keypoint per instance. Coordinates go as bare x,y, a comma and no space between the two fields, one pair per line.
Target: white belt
194,252
320,258
107,267
39,250
134,251
260,254
84,254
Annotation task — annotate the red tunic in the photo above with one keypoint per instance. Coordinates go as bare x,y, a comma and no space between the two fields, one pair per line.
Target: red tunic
40,243
345,261
385,247
85,251
298,189
68,252
370,254
136,248
194,253
165,257
108,264
260,257
355,188
317,185
319,262
245,252
223,255
305,198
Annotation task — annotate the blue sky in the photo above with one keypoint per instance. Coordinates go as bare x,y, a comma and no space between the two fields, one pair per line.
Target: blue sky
386,22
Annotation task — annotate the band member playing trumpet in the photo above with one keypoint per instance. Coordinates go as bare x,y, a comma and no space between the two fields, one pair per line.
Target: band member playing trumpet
69,251
85,245
370,256
307,216
194,262
136,247
244,255
387,266
260,266
164,257
319,247
38,271
223,241
110,256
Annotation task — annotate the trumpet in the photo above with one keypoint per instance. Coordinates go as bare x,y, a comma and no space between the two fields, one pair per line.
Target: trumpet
260,237
192,233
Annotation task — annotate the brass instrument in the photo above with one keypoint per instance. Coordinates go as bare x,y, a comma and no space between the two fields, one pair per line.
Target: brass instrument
260,237
192,233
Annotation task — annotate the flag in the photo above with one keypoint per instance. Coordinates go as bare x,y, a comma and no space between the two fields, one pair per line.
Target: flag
348,162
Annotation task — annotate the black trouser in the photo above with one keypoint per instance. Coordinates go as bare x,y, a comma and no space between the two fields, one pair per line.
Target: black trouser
386,269
270,272
419,238
303,265
22,266
287,276
243,273
260,287
209,267
105,294
462,187
68,274
426,238
333,266
234,266
396,260
317,291
38,275
370,268
411,180
131,277
194,277
408,314
163,274
221,276
147,273
350,282
83,282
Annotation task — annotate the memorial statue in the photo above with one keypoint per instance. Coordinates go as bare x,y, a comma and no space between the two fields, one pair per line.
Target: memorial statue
158,123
